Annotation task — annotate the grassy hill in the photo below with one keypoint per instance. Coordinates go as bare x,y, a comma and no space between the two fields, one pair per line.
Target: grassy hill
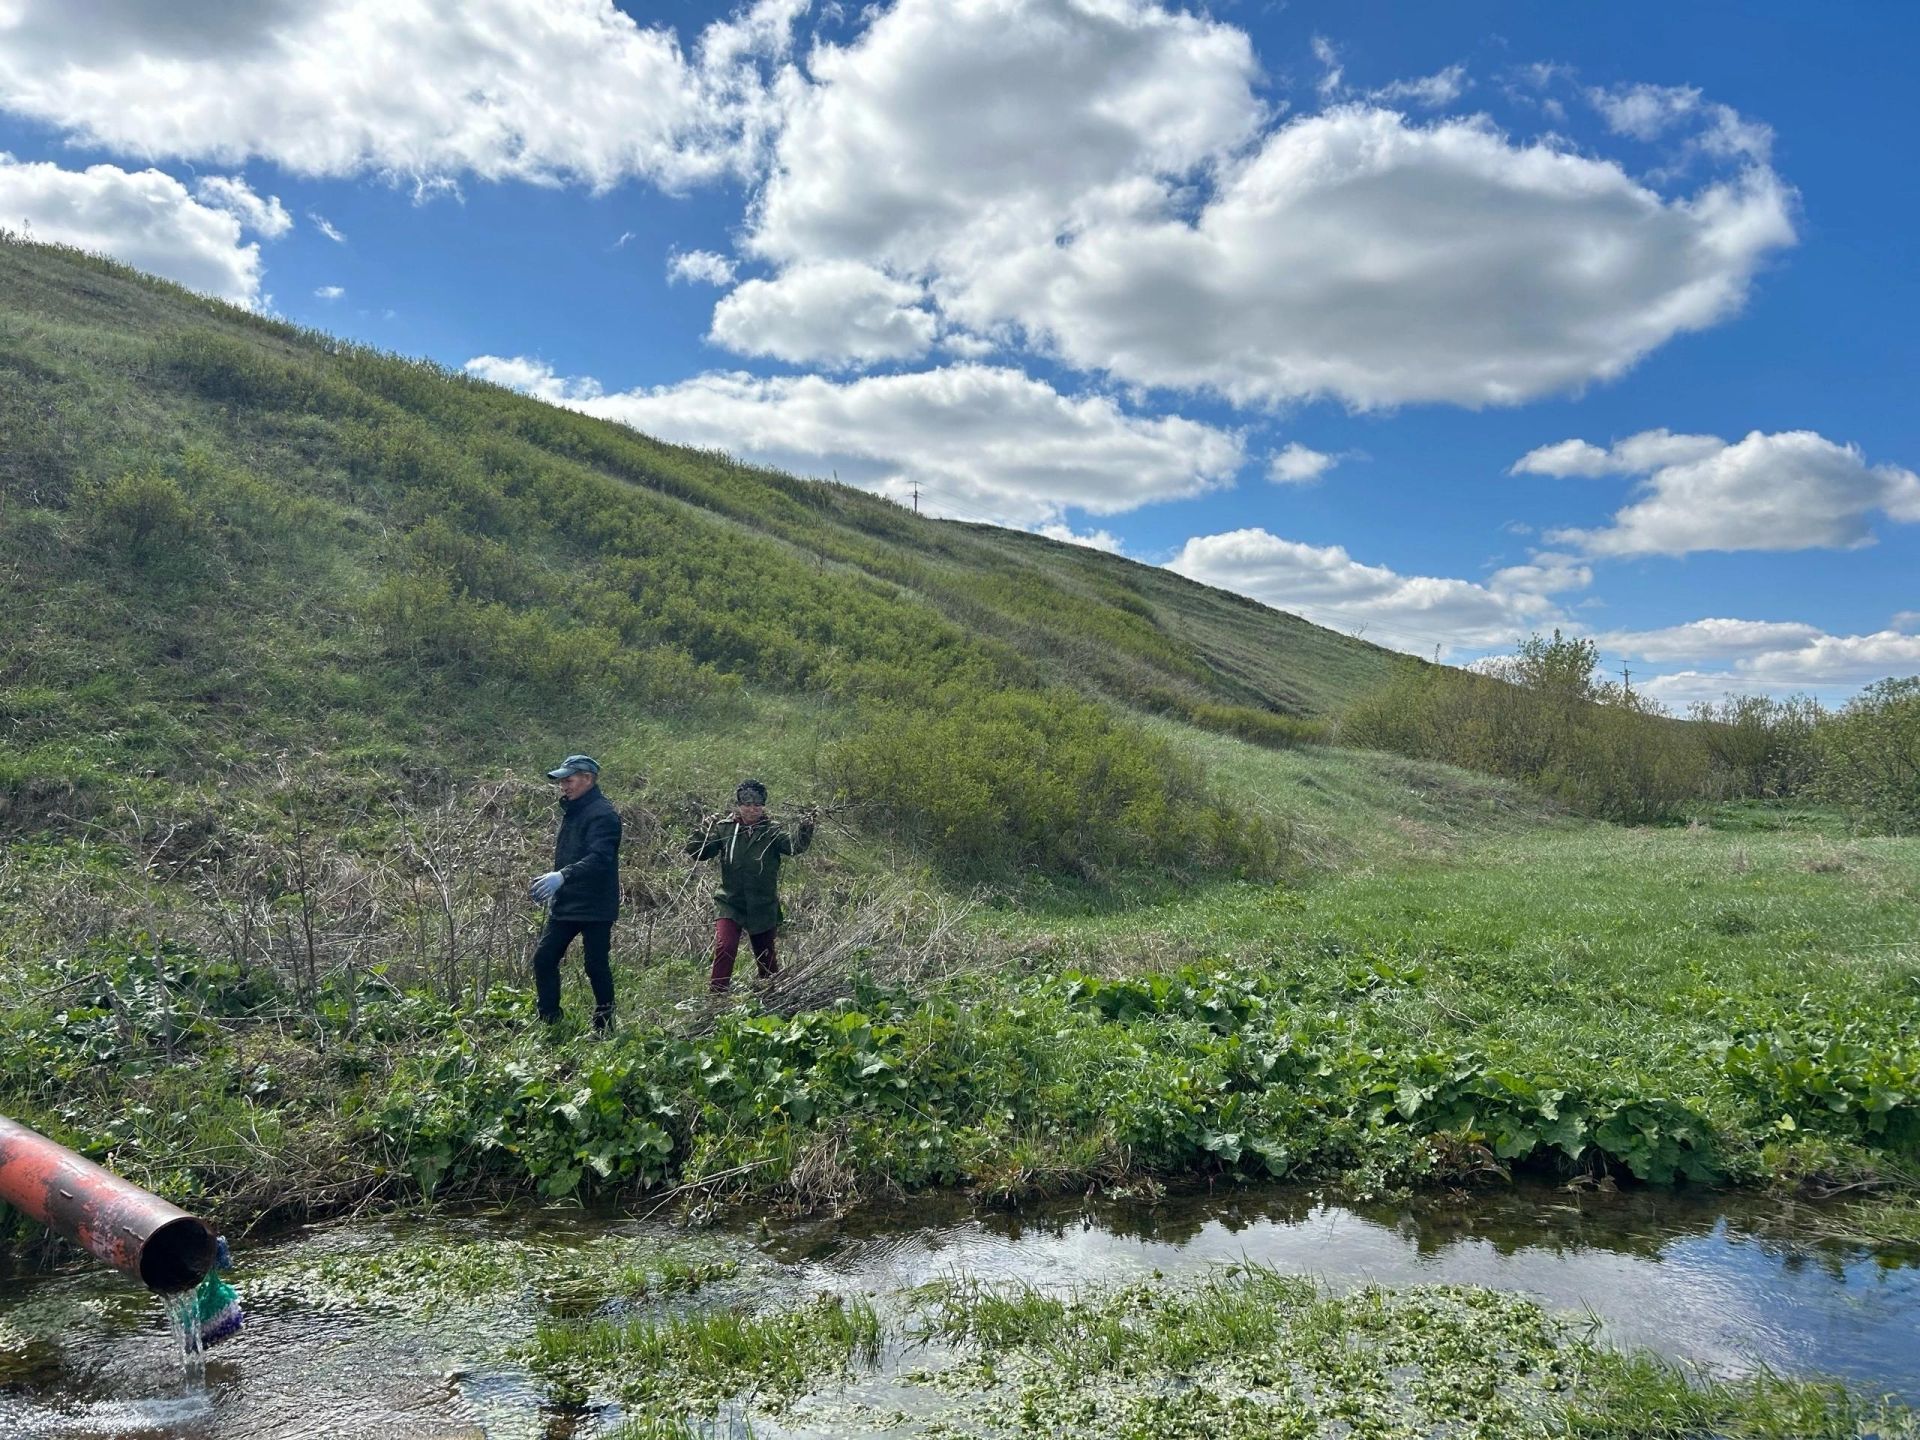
225,538
285,624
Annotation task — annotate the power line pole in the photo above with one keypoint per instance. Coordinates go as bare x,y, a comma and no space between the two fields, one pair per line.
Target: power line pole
916,497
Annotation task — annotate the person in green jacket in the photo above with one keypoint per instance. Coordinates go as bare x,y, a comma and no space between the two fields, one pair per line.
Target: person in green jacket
749,847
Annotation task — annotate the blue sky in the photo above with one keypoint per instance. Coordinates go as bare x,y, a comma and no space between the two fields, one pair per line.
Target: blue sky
1437,324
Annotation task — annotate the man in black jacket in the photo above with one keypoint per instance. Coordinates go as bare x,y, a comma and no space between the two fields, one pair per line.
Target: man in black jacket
582,891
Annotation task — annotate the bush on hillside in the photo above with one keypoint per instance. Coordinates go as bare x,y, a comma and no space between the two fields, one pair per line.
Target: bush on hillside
1259,727
1541,717
1764,748
1870,756
145,521
1003,778
424,621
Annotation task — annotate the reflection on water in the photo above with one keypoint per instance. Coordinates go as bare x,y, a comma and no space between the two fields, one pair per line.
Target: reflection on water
1696,1279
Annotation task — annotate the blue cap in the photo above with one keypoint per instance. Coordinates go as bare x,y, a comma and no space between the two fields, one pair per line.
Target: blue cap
575,765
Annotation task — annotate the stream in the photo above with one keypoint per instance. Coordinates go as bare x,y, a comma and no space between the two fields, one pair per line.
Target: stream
1710,1281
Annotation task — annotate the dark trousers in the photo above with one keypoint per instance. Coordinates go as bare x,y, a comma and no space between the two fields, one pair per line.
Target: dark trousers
596,938
726,945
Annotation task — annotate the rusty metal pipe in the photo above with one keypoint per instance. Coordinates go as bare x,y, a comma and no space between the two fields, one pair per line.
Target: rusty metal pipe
158,1244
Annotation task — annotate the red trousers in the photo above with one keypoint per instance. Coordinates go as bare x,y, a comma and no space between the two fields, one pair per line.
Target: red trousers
726,944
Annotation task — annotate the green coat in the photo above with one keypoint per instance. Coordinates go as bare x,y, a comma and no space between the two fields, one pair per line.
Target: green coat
749,869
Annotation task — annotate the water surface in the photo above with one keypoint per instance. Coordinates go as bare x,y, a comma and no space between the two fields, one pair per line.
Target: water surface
1704,1281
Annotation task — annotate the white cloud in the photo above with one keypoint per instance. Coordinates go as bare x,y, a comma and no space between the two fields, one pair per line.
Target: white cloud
1710,639
534,377
989,443
1103,540
1432,91
232,194
1794,490
1359,256
1415,613
528,89
1721,656
1332,75
967,346
142,217
1567,457
1168,236
1637,454
321,223
1804,659
930,126
1297,465
1905,620
963,120
687,267
1645,112
838,311
329,292
1650,112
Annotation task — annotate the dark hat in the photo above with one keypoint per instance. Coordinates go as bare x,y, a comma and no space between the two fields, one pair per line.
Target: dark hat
575,765
750,792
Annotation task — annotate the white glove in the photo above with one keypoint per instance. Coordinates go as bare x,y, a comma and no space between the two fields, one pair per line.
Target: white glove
547,886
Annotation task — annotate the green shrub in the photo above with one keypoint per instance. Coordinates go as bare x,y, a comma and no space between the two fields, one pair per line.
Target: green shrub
1870,756
1043,779
1260,727
145,520
1764,748
1542,717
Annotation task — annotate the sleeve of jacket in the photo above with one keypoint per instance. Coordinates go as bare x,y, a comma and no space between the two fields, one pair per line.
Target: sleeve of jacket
795,844
602,845
705,844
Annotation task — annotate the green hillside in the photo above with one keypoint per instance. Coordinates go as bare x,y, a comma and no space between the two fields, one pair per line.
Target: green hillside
226,538
288,624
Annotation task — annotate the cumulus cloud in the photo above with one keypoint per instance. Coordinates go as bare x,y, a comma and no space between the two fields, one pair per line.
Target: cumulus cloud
1797,658
231,193
142,217
989,443
1360,256
1637,454
1718,656
530,89
1794,490
1650,112
1103,540
330,292
1710,639
1645,112
956,119
1169,235
1432,91
1297,465
837,311
696,266
1415,613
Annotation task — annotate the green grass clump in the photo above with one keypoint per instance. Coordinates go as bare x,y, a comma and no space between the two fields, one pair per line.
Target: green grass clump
692,1362
1253,1353
422,1279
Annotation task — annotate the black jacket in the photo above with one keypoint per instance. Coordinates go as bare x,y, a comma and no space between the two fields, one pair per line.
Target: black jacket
587,852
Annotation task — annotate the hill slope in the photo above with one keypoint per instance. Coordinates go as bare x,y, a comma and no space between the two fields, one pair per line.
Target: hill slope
224,537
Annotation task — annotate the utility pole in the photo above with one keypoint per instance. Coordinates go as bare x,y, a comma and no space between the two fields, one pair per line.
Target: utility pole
916,497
